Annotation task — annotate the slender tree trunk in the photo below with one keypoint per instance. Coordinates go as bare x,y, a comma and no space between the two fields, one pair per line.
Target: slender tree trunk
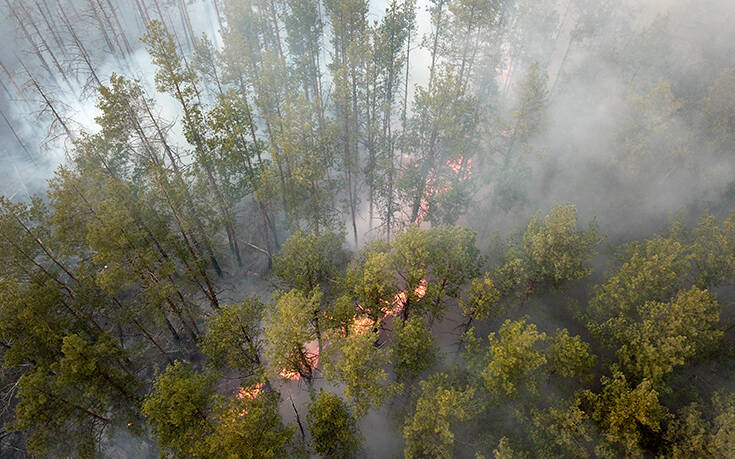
51,28
48,49
51,107
120,27
103,29
18,139
187,195
30,40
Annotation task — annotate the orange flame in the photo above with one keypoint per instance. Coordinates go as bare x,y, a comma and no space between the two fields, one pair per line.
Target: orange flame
401,298
250,392
312,357
361,325
460,166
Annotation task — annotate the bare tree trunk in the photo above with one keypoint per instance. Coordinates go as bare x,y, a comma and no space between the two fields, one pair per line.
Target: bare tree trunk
51,107
18,90
17,138
435,46
219,16
82,50
47,48
143,12
30,40
52,28
187,23
102,28
120,28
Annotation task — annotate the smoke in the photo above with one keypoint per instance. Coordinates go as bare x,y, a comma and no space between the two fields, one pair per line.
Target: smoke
624,137
632,88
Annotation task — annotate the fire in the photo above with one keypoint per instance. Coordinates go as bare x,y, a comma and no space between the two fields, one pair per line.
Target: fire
361,325
461,167
250,392
401,298
420,290
311,352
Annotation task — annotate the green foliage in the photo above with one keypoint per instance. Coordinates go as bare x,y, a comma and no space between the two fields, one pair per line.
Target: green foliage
569,356
414,348
434,264
333,429
563,431
550,253
439,407
712,249
360,366
162,48
117,267
233,337
189,419
703,431
289,326
530,112
514,359
482,298
308,261
177,409
626,414
54,425
651,271
249,428
556,250
668,335
506,451
372,284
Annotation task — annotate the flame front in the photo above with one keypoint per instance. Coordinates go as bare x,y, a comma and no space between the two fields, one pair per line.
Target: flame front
311,354
399,302
250,392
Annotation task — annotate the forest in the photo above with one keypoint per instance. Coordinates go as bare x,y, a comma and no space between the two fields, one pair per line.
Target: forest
335,228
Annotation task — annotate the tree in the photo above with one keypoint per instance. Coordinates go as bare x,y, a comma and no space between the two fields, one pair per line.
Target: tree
480,302
333,429
414,348
308,261
547,255
181,83
453,260
358,364
189,419
439,140
702,430
563,430
178,408
233,337
383,76
627,415
439,407
506,451
250,428
289,326
556,249
514,359
667,335
433,266
370,285
308,146
569,356
349,34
